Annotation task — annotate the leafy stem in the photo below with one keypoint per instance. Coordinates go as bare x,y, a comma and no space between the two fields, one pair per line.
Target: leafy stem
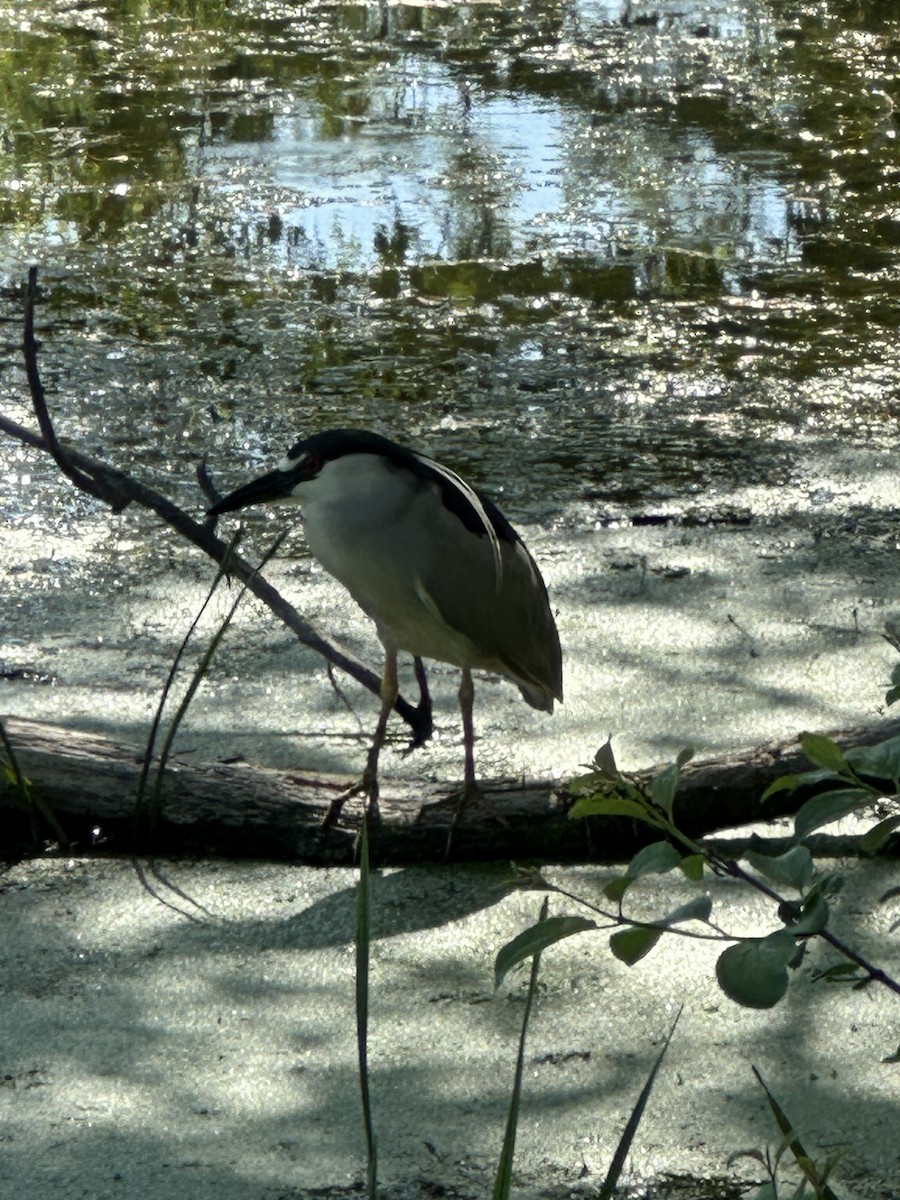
753,971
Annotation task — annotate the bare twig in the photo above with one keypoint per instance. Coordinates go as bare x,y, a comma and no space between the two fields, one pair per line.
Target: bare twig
102,488
119,489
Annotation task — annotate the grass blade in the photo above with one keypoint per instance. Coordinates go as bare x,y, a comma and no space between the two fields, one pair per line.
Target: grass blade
804,1162
140,819
147,814
156,801
503,1181
631,1126
363,941
28,800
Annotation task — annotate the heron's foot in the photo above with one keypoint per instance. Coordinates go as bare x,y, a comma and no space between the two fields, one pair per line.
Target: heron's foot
421,726
368,787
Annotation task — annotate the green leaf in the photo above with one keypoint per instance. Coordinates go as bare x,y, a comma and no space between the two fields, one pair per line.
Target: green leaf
831,884
824,752
881,761
610,806
655,859
875,838
535,939
605,761
891,696
842,972
813,917
799,955
616,888
685,754
830,806
631,944
790,783
591,782
793,869
784,783
697,909
754,971
692,866
664,787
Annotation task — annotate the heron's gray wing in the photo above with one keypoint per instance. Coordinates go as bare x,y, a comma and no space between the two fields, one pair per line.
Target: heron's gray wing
507,618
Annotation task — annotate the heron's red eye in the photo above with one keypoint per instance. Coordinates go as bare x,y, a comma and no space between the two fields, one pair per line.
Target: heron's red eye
313,465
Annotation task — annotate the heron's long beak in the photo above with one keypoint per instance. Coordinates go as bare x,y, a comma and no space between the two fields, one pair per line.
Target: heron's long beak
276,485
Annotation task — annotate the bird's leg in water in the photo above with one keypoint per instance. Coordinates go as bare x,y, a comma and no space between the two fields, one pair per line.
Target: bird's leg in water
368,785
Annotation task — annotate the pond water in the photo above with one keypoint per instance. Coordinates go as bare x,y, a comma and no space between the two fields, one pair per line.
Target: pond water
616,262
652,245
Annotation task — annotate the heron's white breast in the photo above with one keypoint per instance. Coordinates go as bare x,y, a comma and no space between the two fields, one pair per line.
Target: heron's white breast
375,527
351,497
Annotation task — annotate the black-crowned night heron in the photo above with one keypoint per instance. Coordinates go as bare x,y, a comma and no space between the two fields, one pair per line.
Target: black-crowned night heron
433,562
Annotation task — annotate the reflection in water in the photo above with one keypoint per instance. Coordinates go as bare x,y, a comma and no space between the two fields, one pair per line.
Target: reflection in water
608,251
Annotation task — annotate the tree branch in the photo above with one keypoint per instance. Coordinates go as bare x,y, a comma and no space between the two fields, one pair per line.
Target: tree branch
118,489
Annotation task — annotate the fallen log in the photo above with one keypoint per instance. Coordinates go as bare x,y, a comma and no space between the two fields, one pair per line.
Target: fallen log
241,810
